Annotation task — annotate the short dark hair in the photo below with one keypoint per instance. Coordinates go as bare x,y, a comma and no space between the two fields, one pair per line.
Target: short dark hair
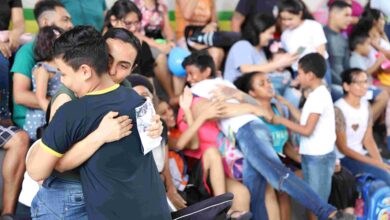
120,9
295,7
127,37
83,45
46,5
245,81
44,42
349,74
339,5
256,25
315,63
140,80
202,60
357,38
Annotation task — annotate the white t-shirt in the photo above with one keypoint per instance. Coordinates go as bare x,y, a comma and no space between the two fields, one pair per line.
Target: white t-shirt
203,90
323,138
356,122
310,34
29,186
159,154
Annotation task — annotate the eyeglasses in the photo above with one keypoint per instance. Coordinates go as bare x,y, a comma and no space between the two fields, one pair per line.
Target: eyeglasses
360,82
130,24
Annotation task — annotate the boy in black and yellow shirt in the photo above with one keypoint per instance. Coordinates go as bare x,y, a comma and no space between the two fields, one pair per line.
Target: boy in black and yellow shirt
118,180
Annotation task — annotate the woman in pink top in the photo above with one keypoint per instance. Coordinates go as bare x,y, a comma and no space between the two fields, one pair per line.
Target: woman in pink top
199,143
207,133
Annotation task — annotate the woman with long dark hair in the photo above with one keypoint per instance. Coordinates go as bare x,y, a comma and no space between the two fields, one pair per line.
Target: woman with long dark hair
248,55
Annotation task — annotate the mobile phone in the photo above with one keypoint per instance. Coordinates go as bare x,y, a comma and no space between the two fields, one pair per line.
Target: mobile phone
301,50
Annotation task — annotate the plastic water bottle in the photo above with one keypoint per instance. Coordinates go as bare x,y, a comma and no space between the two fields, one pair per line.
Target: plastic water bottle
359,208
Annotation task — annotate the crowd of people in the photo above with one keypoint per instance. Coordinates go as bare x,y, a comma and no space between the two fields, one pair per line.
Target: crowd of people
96,123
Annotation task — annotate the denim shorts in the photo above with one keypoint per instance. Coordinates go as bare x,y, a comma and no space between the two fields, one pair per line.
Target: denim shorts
59,199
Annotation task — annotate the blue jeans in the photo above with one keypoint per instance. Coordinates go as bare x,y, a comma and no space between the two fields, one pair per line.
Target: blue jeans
4,88
262,165
318,171
59,199
357,167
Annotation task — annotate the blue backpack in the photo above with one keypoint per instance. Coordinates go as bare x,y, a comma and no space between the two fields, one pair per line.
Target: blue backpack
376,196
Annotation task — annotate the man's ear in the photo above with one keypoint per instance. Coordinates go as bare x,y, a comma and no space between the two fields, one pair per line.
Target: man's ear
43,21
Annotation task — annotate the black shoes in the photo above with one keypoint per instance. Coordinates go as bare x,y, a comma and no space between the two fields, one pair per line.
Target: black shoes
340,215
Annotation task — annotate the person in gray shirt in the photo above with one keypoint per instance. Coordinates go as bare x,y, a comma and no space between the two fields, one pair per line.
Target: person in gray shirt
340,16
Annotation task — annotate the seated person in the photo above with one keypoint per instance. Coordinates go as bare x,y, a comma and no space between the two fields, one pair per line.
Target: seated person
362,58
9,43
254,141
258,85
46,13
340,16
15,142
201,142
145,88
359,44
355,141
46,79
197,16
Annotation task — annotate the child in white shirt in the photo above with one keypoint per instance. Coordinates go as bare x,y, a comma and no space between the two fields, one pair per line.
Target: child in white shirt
317,126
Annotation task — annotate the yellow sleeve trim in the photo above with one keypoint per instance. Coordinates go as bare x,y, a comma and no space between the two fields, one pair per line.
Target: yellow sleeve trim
49,150
103,91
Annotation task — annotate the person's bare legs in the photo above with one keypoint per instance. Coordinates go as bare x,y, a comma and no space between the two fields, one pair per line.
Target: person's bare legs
13,169
217,54
212,166
241,200
271,203
164,76
178,85
284,206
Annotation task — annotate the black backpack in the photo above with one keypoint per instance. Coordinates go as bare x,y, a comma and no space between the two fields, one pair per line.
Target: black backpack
214,208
